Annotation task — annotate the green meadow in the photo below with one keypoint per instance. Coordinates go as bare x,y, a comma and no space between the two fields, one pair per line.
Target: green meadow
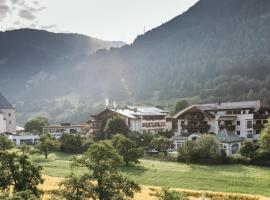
222,178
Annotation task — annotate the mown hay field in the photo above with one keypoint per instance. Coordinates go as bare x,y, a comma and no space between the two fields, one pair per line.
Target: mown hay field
243,179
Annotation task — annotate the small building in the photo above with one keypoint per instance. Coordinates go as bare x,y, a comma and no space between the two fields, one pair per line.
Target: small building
142,119
23,138
57,130
7,116
230,142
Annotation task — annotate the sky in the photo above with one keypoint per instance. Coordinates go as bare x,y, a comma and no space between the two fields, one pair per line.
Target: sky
118,20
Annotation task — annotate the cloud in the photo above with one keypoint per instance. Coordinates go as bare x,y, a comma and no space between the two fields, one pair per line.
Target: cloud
4,11
27,14
20,9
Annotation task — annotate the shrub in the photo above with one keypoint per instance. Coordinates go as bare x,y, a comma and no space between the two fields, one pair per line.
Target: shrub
167,194
208,147
187,152
248,149
114,126
70,143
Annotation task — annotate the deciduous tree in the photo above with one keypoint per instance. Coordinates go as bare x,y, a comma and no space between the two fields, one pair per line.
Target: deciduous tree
265,139
18,173
162,144
47,144
103,161
127,148
116,125
36,124
5,143
180,105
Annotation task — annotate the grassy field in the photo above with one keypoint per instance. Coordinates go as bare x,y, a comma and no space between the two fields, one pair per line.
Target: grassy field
223,178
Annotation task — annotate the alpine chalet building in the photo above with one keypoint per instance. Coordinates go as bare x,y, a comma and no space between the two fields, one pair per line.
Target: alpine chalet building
142,119
231,122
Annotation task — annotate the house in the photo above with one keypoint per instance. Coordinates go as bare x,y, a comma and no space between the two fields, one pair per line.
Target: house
231,122
23,138
3,123
57,130
7,116
142,119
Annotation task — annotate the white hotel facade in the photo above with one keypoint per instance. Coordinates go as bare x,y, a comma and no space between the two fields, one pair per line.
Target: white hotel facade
231,122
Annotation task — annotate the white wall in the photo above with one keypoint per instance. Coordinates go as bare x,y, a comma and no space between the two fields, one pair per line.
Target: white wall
10,115
19,138
2,123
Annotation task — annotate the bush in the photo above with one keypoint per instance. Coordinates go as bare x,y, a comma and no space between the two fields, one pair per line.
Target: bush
248,149
206,150
261,158
142,139
127,149
208,147
114,126
70,143
187,152
167,194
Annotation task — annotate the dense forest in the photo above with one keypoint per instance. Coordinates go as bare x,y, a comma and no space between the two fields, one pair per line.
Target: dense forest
216,50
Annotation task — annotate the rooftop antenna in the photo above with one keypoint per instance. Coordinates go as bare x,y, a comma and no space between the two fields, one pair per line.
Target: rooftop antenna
107,102
114,105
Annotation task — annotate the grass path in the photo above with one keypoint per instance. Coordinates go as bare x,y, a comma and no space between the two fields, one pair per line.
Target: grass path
222,178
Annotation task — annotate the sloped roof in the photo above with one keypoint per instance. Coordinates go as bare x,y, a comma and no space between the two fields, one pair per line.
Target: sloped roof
4,104
256,105
193,108
228,137
231,105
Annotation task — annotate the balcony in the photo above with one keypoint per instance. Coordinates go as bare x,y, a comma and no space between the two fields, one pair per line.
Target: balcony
258,126
249,136
261,116
196,126
228,127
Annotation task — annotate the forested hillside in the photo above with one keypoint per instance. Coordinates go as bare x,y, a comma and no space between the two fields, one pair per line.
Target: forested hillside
217,50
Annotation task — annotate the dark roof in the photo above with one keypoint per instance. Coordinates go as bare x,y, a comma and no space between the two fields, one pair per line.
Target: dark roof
228,137
4,104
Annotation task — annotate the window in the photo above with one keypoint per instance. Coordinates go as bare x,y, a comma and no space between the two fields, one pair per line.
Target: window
235,148
9,122
244,112
238,132
237,112
9,114
249,124
238,123
229,112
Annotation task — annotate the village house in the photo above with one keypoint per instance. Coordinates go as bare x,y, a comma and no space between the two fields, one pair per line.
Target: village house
7,116
231,122
23,138
57,130
142,119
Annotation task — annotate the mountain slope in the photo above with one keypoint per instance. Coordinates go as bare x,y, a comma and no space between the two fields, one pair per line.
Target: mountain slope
28,56
217,50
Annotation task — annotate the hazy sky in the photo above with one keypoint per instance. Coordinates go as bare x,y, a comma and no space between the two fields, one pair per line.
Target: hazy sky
104,19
